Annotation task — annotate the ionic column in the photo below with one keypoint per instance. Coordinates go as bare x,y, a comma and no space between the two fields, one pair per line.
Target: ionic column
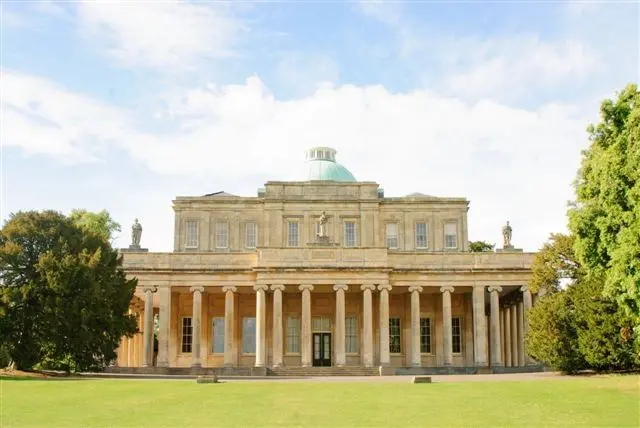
164,321
507,337
124,348
479,327
305,332
385,358
446,324
260,325
277,324
196,321
521,356
367,319
130,348
502,339
514,335
416,358
526,303
341,359
495,325
229,319
147,329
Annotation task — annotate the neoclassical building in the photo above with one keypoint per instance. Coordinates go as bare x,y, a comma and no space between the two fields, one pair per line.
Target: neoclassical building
327,272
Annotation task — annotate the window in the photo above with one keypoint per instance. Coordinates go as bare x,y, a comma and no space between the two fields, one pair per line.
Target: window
349,234
218,335
425,335
351,336
392,235
222,234
187,334
450,235
421,235
248,335
293,335
292,234
456,332
251,235
394,335
192,234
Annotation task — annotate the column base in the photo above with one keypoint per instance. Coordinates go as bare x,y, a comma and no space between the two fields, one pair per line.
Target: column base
196,366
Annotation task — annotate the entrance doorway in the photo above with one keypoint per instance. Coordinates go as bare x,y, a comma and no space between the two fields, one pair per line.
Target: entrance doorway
322,349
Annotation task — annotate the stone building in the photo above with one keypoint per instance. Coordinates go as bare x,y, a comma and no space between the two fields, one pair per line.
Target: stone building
328,272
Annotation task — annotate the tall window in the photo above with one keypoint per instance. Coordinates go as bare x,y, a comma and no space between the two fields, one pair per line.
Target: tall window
421,235
349,234
456,335
351,335
187,334
425,335
392,235
251,235
248,335
394,335
450,235
292,234
293,334
222,234
192,234
218,335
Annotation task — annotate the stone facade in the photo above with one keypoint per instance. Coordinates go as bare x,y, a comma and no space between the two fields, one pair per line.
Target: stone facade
250,284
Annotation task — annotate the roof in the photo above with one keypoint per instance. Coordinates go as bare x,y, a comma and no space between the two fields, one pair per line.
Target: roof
323,166
218,194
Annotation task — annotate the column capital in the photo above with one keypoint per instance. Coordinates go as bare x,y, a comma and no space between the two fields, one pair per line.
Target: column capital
364,287
231,288
275,287
337,287
303,287
446,288
495,288
384,287
194,289
415,288
524,288
152,288
259,287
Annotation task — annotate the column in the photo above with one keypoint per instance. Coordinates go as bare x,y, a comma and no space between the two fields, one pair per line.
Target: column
446,324
229,322
124,348
147,328
526,303
502,339
341,359
196,322
164,321
367,328
479,327
416,358
385,358
514,335
260,325
495,325
305,332
521,356
277,324
507,337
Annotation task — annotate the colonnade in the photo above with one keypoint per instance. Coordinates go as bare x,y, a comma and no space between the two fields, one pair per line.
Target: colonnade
509,328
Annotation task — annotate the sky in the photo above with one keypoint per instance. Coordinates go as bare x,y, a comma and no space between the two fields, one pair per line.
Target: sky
124,105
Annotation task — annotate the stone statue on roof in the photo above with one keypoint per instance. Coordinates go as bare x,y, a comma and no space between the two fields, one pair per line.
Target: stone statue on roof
136,234
506,235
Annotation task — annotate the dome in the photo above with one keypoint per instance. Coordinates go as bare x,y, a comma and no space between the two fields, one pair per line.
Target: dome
323,166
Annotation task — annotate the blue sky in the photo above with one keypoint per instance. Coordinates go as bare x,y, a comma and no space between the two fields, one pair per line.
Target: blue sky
125,105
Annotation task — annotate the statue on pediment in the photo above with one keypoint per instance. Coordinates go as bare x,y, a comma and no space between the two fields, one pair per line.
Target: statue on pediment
506,235
136,234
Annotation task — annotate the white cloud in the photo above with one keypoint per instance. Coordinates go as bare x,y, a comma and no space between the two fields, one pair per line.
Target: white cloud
303,73
168,35
511,163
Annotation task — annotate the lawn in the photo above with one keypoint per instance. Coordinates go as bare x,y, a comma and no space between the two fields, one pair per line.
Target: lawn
596,401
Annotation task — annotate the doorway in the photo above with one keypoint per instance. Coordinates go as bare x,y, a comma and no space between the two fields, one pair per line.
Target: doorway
322,349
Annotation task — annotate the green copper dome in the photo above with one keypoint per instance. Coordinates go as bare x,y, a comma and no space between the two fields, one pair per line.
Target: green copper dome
323,166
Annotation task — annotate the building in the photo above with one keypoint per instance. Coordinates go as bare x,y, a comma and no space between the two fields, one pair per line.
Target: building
327,272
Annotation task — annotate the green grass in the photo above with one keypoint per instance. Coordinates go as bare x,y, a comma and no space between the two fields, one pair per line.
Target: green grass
611,401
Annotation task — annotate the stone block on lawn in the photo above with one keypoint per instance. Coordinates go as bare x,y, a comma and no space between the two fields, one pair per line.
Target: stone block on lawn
207,379
421,379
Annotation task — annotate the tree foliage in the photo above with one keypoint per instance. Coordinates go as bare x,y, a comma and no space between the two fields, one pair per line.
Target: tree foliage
605,216
63,291
480,247
100,223
554,265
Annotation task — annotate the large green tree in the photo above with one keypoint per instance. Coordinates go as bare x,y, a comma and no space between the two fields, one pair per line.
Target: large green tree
63,292
480,247
100,223
605,216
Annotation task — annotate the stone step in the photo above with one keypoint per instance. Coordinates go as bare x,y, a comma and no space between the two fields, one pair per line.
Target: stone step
325,371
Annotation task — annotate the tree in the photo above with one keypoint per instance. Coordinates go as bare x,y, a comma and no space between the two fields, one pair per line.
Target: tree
605,217
480,247
554,265
100,223
64,293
